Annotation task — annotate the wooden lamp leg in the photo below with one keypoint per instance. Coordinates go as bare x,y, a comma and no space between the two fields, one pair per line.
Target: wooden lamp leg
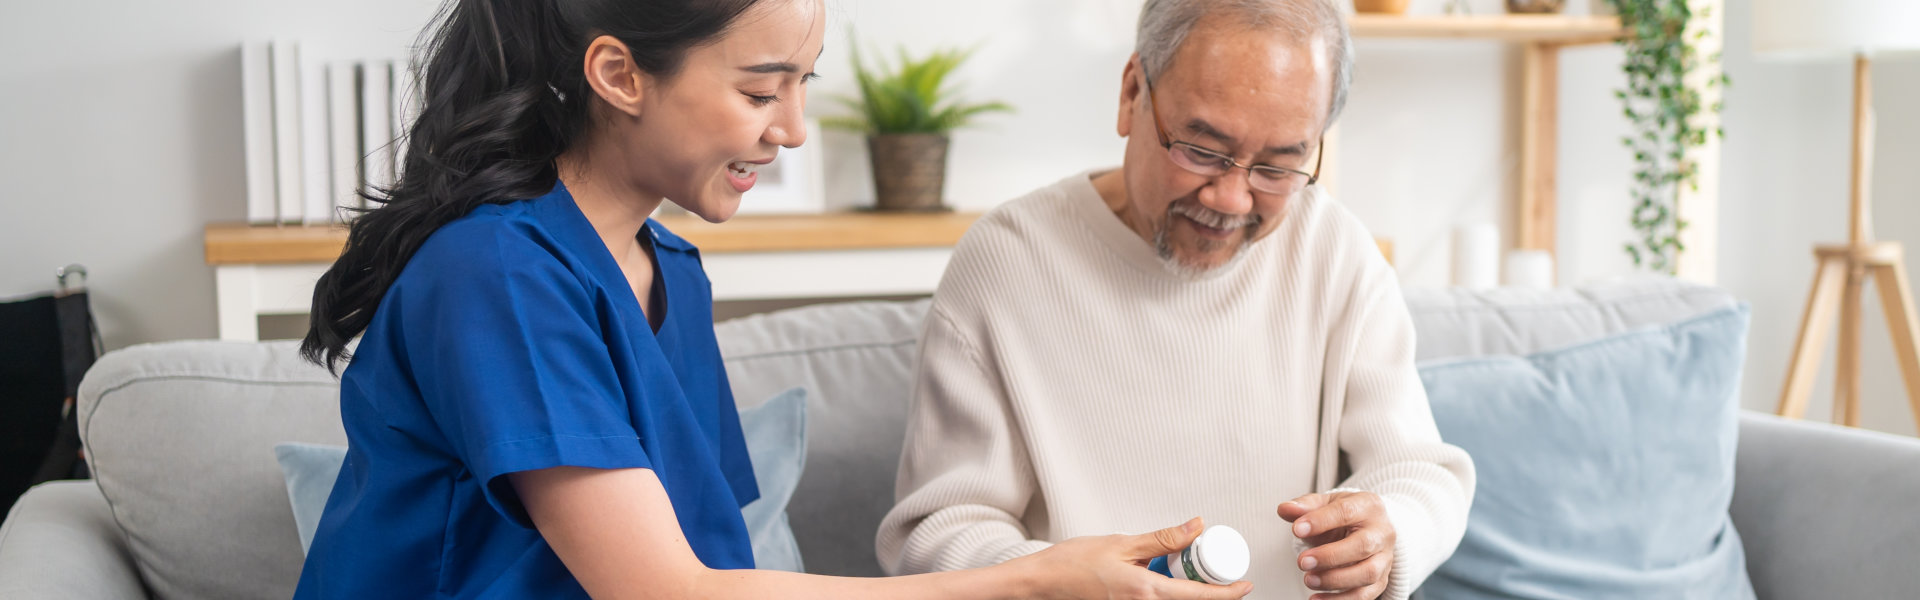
1821,303
1846,370
1896,297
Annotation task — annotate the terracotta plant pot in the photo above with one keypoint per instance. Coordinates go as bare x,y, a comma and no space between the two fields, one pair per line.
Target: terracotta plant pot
1536,6
909,170
1391,7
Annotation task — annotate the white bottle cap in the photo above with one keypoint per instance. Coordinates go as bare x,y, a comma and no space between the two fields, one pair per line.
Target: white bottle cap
1222,554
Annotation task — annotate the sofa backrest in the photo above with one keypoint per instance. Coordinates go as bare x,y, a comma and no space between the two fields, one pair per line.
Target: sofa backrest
856,361
1456,322
181,434
180,438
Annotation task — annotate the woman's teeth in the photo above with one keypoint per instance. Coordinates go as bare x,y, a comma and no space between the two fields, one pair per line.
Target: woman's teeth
743,168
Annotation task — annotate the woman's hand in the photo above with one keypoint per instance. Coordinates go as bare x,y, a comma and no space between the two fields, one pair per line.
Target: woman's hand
616,532
1114,567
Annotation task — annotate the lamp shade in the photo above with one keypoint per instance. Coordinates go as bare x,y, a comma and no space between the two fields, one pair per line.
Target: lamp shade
1820,27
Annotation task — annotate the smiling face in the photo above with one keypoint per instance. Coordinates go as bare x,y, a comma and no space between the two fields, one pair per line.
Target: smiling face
1254,96
701,133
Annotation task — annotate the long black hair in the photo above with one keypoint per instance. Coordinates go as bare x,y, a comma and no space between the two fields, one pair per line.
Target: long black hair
505,94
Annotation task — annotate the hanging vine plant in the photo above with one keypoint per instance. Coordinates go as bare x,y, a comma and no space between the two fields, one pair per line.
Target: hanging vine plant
1660,59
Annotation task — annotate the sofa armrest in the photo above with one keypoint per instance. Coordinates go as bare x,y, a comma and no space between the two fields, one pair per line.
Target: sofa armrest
1827,511
60,541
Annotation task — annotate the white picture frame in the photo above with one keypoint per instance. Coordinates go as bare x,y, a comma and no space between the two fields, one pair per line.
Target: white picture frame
794,183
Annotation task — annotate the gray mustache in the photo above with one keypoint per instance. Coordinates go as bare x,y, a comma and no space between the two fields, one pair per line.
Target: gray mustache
1212,218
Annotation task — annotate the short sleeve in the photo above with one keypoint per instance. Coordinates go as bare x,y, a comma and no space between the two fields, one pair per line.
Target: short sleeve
505,343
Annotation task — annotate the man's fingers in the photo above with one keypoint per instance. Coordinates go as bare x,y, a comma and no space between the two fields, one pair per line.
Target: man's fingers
1322,539
1184,589
1346,510
1166,541
1366,593
1292,509
1364,573
1359,544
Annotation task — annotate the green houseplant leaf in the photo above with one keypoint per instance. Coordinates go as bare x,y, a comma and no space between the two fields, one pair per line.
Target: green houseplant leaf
909,95
1663,110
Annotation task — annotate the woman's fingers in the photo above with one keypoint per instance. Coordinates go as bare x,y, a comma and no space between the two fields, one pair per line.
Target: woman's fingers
1181,589
1166,541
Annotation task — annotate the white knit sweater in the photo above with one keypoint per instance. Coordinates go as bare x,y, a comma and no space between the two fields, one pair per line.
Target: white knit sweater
1071,384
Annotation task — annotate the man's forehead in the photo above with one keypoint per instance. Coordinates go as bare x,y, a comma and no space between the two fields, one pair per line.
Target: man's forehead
1227,84
1233,59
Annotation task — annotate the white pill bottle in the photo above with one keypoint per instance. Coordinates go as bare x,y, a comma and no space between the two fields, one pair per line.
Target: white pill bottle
1219,556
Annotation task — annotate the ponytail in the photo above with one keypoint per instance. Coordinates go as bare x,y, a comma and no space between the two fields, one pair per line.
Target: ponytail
505,95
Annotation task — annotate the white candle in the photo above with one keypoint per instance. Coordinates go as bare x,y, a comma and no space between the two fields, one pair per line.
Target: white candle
1476,256
1531,269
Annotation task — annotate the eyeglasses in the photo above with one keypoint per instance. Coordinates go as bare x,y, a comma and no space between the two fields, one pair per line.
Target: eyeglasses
1270,179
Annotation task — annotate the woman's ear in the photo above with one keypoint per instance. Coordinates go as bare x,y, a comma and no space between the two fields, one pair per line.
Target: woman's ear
614,76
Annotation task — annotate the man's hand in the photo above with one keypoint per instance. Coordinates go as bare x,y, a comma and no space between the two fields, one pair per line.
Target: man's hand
1351,543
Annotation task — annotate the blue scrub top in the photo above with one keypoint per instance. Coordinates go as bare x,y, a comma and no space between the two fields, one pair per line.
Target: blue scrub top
512,342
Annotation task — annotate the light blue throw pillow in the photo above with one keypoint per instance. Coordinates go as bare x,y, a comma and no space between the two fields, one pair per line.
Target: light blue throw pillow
776,433
777,442
309,470
1604,470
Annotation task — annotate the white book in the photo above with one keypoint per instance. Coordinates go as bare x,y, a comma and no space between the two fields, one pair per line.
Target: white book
343,138
286,129
376,123
256,115
317,198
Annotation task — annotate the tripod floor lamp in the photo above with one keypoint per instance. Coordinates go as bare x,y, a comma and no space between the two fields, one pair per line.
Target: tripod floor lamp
1858,28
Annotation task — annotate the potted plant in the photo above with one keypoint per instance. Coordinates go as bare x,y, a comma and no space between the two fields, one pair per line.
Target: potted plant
907,110
1665,111
1535,7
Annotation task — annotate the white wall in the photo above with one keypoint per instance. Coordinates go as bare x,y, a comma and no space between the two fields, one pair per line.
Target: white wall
1057,62
120,139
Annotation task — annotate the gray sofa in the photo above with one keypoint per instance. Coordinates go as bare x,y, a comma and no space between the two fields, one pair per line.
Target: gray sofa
189,503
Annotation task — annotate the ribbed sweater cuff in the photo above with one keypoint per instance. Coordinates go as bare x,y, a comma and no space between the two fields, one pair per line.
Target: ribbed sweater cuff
1413,540
1020,549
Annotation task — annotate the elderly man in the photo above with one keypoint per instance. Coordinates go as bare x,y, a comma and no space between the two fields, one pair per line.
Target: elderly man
1199,332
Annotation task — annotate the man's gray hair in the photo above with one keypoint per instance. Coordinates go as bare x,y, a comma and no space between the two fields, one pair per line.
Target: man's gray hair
1164,25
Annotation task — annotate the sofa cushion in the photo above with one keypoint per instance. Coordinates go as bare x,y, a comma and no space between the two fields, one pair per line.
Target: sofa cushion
1605,469
856,361
180,438
1455,322
60,541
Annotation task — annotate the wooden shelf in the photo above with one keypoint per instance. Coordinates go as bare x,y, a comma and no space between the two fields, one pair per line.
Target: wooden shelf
1552,29
835,231
237,243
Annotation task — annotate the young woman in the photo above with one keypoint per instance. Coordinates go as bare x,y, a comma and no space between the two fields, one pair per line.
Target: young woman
536,407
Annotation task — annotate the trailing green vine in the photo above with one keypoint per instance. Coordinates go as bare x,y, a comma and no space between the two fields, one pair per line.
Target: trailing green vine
1660,58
